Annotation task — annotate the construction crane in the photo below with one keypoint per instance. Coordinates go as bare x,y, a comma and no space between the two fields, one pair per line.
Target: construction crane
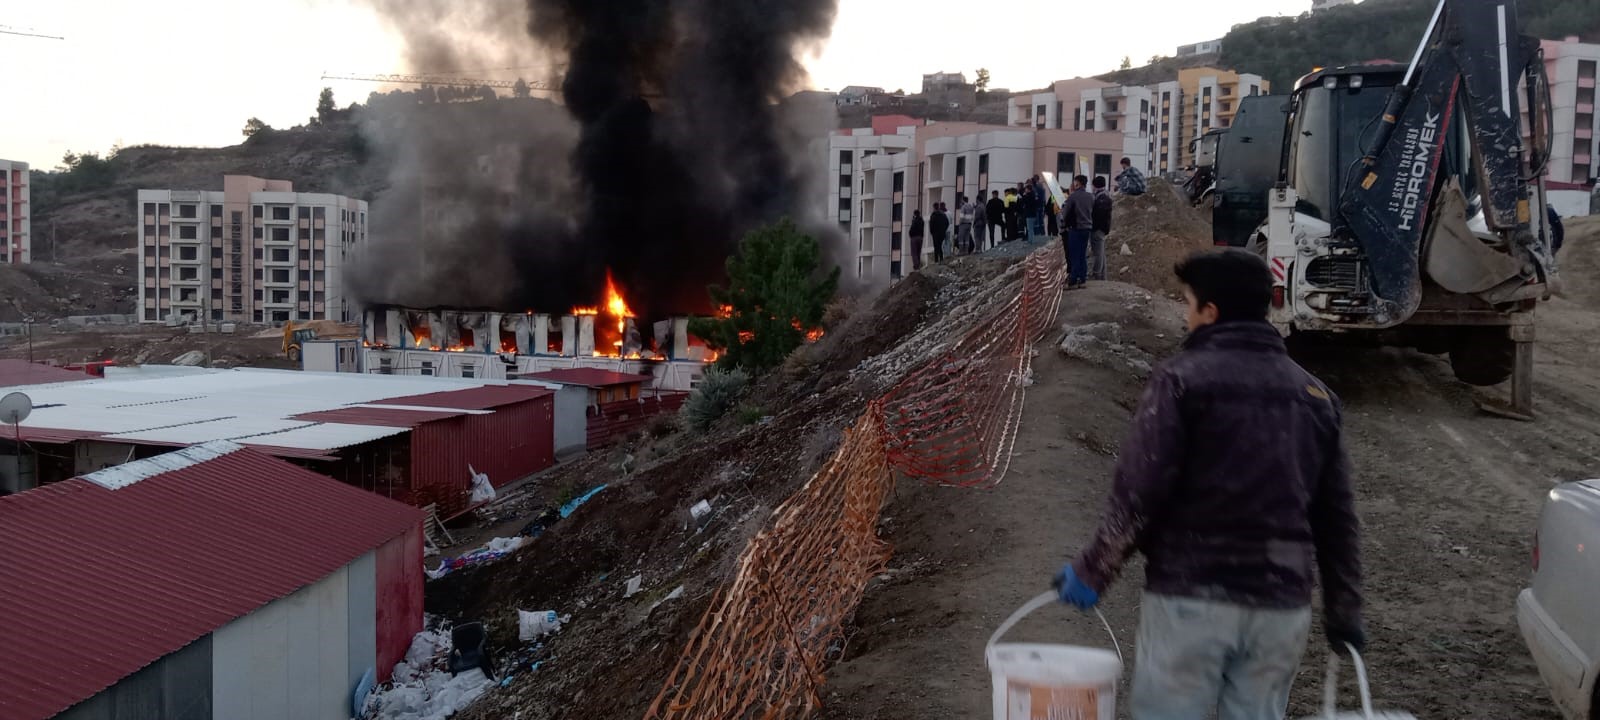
24,32
533,85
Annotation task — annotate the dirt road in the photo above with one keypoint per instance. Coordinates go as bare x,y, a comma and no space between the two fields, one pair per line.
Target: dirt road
1448,497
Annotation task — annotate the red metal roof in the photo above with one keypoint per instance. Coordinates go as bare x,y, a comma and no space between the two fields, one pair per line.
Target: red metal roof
48,435
22,372
588,377
384,417
103,582
479,398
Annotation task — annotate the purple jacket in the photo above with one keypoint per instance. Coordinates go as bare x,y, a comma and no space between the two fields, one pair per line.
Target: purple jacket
1234,482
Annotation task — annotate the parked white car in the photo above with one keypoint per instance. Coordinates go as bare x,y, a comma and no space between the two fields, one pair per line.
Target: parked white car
1560,614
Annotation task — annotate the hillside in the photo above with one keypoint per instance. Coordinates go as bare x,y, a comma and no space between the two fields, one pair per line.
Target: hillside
1282,49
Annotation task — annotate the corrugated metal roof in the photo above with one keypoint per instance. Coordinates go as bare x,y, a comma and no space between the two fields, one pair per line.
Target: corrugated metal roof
386,416
103,582
325,436
589,377
21,373
482,398
236,429
49,435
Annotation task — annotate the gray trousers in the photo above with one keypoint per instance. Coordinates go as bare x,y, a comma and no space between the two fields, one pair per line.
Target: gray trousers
1097,256
1196,657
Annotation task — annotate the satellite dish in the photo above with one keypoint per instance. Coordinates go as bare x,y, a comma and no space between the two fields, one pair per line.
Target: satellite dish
15,407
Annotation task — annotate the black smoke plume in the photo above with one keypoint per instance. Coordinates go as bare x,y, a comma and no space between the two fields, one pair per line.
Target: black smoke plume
674,142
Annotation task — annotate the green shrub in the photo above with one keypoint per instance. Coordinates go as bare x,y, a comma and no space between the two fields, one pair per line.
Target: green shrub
718,392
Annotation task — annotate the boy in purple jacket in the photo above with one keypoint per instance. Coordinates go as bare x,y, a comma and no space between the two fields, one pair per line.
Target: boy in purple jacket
1235,485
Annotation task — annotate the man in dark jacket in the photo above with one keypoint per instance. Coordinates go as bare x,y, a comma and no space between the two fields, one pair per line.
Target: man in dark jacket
1028,206
1077,224
1010,214
1103,206
939,229
916,239
997,216
1235,485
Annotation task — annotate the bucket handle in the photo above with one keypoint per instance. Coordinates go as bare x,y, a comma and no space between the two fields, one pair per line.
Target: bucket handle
1330,684
1040,601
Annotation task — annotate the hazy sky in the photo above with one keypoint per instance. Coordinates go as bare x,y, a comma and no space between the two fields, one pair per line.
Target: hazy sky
190,72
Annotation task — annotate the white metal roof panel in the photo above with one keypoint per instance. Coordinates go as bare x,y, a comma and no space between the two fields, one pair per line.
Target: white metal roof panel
326,436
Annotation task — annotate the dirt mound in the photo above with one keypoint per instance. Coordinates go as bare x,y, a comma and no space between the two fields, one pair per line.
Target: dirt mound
44,290
1158,228
1580,261
614,656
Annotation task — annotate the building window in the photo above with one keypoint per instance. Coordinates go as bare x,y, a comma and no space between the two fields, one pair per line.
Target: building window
894,269
1060,106
844,157
386,366
469,370
188,252
280,275
1111,124
1102,164
280,297
305,233
983,164
216,211
188,273
188,232
895,241
1144,107
899,182
844,181
280,212
304,213
188,295
280,234
280,254
187,210
961,167
1088,124
1111,106
1077,118
1066,164
319,212
256,211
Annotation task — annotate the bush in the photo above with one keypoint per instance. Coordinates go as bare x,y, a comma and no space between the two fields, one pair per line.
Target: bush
718,392
750,414
777,290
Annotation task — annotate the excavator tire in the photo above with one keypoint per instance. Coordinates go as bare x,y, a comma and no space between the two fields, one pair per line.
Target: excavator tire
1482,356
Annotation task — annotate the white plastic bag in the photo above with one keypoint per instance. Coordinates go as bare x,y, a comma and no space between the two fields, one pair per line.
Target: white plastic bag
482,490
534,625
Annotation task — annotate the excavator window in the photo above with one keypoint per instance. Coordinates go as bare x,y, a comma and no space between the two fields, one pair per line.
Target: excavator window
1332,126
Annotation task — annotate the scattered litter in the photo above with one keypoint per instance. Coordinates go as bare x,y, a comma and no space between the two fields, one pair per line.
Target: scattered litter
1027,378
674,595
190,359
482,490
633,586
490,552
700,514
1459,549
573,504
540,523
534,625
421,688
1126,251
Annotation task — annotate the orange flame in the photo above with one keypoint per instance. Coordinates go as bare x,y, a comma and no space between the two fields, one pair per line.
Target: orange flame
586,311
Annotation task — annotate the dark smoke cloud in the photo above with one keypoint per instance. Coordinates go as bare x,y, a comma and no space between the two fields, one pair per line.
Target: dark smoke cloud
675,145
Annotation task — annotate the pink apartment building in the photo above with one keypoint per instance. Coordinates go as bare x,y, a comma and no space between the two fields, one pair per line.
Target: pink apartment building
16,245
255,252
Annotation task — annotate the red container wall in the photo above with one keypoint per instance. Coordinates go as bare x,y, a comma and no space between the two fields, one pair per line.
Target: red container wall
399,591
614,421
515,441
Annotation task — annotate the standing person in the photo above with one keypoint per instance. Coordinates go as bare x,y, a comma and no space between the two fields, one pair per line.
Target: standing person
1130,181
1077,221
1052,216
965,215
1027,207
916,239
1103,206
997,216
1010,215
1039,196
980,223
1234,483
939,228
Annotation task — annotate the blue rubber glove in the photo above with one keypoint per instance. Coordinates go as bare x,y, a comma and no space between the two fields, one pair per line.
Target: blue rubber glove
1074,591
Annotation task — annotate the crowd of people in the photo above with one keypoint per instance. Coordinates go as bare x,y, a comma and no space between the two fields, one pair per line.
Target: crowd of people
1029,213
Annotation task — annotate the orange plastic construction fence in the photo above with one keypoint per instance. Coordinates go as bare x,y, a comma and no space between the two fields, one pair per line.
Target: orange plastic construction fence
760,649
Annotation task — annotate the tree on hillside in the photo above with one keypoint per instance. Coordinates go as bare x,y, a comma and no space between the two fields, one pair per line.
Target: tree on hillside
325,106
982,83
1127,63
776,289
1155,59
520,89
254,126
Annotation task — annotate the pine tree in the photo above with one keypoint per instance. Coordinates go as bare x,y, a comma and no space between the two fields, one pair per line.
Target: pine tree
325,106
776,290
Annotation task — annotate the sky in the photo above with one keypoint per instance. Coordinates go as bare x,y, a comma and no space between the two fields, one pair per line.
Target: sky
191,72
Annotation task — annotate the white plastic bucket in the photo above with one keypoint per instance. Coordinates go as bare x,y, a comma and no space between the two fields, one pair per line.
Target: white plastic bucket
1035,681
